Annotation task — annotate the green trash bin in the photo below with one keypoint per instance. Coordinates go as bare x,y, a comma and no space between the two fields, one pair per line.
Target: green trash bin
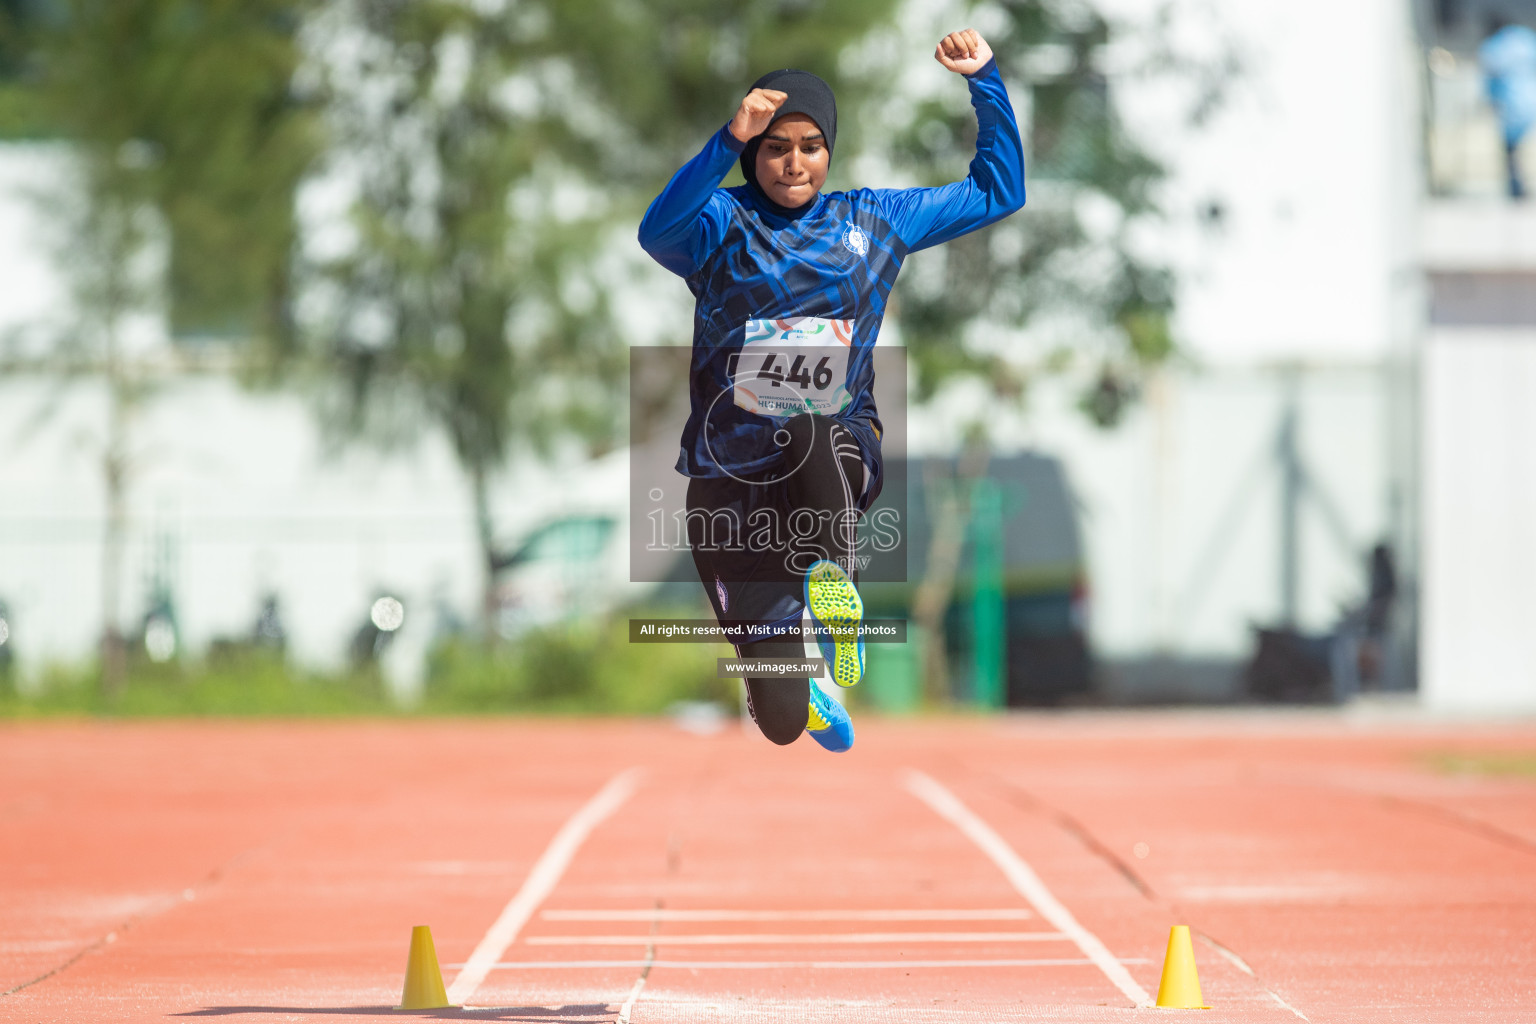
893,675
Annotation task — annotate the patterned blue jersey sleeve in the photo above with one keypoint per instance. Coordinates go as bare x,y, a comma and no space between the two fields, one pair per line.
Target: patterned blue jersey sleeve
686,221
994,188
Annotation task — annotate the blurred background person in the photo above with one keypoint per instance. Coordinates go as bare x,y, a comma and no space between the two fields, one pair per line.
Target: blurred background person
1508,59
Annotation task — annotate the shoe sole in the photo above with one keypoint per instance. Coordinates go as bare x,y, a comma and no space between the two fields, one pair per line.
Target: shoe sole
836,606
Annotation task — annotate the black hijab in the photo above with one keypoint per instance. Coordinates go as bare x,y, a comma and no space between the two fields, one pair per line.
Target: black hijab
808,95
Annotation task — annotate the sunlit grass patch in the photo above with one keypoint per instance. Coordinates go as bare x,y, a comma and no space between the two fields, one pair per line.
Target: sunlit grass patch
250,683
574,668
1505,763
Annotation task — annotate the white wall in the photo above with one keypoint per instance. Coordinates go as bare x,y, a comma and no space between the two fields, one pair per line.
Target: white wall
1479,645
240,486
1313,158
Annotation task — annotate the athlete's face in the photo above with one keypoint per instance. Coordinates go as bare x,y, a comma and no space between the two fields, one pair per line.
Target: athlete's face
792,161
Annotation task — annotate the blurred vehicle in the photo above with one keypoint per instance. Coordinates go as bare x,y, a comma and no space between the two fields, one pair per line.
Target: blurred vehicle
1043,579
567,567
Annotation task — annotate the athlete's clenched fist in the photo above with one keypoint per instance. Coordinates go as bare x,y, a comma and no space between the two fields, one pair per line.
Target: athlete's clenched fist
963,52
756,113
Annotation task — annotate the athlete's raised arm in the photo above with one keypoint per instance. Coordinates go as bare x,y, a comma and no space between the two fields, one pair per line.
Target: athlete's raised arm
676,229
994,188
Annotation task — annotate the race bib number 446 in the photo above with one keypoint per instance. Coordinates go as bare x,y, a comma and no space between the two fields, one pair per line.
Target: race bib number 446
793,365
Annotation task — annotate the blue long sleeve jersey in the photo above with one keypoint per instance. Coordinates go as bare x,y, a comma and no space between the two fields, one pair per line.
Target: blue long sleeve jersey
813,284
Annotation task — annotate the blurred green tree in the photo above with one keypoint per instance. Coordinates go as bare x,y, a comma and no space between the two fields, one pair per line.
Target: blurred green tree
183,145
670,72
1073,256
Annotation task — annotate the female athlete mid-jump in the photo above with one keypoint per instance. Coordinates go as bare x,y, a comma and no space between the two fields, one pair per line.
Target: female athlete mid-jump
782,444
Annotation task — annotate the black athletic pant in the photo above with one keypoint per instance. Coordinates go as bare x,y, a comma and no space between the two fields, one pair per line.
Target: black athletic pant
826,483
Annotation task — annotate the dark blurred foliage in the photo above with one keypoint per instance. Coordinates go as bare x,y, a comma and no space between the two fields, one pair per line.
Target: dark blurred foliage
669,72
21,116
1107,400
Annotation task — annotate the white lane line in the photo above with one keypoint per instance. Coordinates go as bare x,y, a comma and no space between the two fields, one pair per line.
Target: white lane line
982,914
768,965
628,1009
1287,1006
540,882
1242,965
1023,878
802,939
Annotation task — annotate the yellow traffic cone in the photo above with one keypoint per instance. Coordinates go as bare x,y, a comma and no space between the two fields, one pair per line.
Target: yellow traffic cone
423,978
1180,987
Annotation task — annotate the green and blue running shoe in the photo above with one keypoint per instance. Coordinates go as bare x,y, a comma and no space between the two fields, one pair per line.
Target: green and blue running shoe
828,721
836,611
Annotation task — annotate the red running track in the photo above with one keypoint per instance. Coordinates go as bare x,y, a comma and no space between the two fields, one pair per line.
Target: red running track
1013,869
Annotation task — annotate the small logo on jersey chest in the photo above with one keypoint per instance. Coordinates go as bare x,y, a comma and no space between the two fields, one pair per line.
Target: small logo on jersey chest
855,240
